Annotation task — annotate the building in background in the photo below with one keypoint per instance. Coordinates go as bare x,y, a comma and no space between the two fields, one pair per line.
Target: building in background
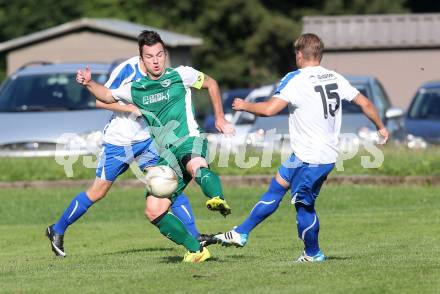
402,51
91,40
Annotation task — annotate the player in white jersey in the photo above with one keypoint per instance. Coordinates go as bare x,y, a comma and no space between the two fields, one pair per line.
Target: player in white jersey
126,138
313,95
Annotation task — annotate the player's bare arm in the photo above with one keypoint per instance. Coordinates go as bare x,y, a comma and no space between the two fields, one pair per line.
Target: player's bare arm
102,93
128,108
267,108
371,112
221,123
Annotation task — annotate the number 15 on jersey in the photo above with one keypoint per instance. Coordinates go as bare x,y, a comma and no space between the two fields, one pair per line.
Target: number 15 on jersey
330,98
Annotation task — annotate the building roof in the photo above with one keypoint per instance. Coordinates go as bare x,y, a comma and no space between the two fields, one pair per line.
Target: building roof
385,31
111,26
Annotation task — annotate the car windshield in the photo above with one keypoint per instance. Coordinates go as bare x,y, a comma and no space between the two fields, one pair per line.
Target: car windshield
46,92
426,105
348,107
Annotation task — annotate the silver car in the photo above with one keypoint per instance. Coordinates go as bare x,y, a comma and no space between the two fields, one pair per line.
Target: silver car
242,122
44,112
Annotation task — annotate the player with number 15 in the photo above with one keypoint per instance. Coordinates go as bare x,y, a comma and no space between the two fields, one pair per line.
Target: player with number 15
313,95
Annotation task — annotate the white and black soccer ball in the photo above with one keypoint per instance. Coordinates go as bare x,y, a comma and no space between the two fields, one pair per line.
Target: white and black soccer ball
161,181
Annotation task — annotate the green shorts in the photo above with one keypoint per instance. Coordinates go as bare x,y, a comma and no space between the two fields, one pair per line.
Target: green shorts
176,156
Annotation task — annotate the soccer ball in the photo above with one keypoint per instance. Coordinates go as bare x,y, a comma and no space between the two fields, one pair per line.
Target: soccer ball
161,181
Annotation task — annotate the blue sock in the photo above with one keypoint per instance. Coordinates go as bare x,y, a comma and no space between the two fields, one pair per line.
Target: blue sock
308,228
182,209
267,204
76,209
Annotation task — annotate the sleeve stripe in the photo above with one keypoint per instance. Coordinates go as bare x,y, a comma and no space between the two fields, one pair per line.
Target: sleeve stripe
284,81
125,72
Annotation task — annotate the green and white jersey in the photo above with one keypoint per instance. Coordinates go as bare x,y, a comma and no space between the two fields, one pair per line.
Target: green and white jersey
166,103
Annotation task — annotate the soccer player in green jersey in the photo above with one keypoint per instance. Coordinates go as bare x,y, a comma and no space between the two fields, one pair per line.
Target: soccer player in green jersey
164,98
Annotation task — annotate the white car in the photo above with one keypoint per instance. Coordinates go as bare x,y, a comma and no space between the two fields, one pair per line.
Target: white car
242,122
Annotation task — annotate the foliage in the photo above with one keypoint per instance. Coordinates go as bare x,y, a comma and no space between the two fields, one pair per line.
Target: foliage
246,42
379,240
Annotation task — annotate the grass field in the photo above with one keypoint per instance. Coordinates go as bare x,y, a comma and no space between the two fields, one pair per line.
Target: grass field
398,161
379,240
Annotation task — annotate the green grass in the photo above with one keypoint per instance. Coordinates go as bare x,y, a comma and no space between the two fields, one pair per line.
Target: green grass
398,161
379,240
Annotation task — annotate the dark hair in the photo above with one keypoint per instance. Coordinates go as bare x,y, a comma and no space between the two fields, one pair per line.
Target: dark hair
310,45
148,38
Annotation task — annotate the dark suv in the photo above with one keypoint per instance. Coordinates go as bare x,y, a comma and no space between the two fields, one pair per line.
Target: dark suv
423,117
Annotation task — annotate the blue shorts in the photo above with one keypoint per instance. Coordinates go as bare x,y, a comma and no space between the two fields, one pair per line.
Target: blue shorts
305,179
115,160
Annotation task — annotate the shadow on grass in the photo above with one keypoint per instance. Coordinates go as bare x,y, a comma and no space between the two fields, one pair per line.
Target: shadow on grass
178,259
338,257
152,249
240,256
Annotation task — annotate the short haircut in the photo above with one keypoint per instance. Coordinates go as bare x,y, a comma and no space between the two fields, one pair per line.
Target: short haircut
149,38
310,45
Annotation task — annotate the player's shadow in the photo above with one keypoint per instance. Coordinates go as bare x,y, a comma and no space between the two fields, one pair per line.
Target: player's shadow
332,257
178,259
140,250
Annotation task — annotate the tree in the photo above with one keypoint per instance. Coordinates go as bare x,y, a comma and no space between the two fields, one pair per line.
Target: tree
246,43
18,18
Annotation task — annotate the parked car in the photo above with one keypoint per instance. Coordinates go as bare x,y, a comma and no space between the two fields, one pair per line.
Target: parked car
242,121
41,103
423,117
353,120
227,98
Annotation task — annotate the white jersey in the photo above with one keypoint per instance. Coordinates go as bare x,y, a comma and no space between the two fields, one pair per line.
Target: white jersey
314,95
122,130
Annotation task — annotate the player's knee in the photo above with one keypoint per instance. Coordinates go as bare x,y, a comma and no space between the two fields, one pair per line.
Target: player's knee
154,207
98,190
276,188
157,218
309,207
150,214
195,164
153,214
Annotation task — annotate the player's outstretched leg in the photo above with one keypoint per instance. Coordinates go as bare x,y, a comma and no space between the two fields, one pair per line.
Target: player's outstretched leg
77,207
172,227
267,205
308,231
